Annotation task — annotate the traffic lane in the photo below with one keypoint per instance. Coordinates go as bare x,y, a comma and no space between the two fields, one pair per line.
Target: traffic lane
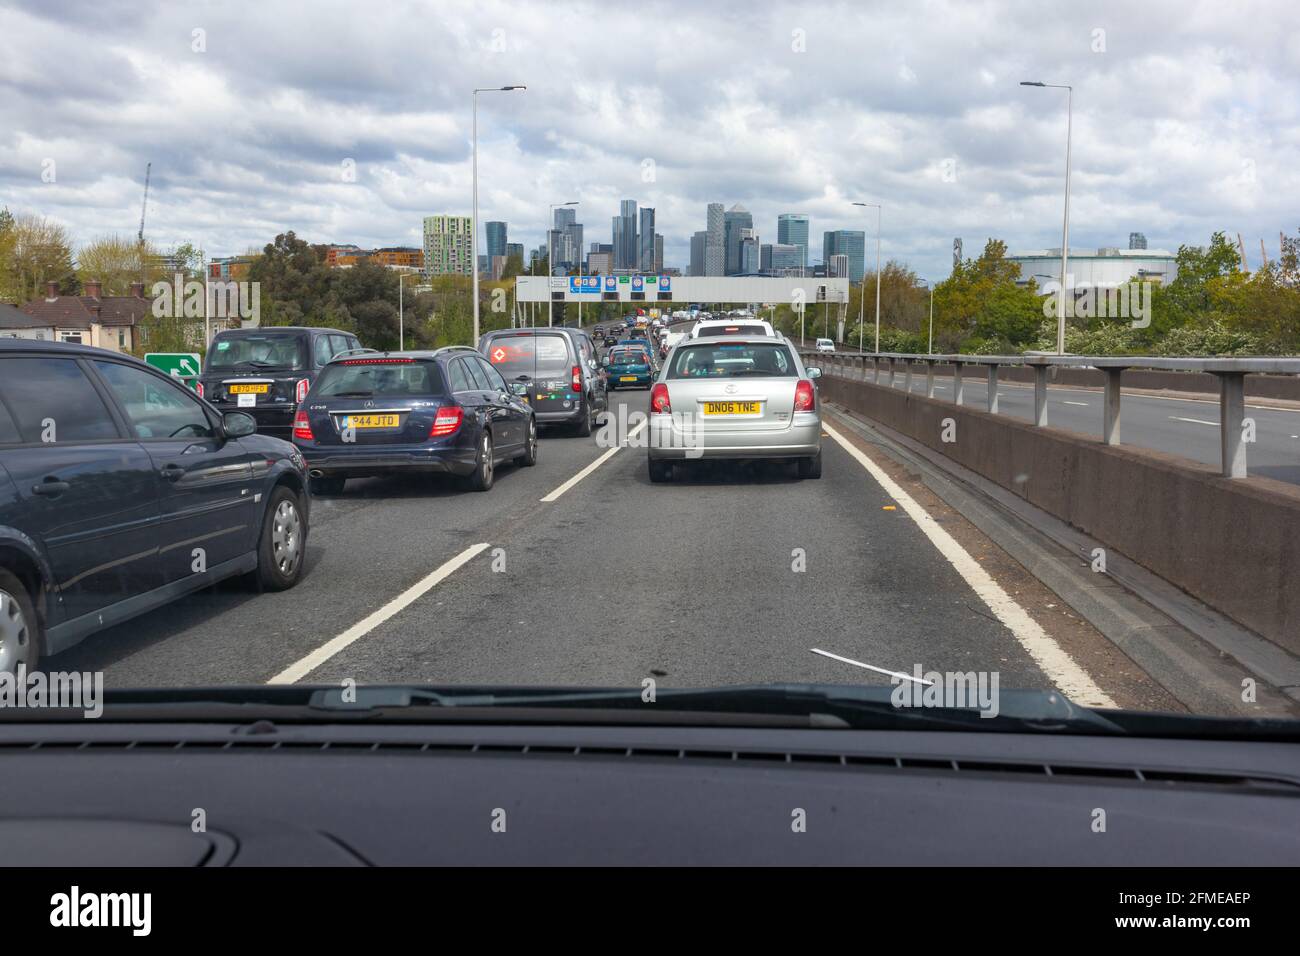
365,546
1186,427
696,583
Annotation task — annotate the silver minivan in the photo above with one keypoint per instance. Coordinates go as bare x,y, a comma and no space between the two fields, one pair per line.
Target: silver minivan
734,397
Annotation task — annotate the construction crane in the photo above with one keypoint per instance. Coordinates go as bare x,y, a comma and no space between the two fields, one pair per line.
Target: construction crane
144,205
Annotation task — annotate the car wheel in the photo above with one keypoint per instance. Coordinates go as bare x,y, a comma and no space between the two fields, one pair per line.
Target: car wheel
660,470
328,485
481,479
529,457
282,543
584,427
20,628
811,467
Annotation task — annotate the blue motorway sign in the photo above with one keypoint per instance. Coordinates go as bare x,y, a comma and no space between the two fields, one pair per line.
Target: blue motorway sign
665,283
584,283
637,283
611,284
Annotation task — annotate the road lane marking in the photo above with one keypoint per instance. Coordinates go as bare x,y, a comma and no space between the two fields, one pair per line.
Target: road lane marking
878,670
592,467
1195,421
1084,404
300,669
1061,669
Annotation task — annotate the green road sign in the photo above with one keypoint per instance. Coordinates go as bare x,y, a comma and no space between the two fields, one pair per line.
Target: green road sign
182,365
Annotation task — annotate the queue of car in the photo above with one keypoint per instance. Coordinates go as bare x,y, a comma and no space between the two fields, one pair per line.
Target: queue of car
122,490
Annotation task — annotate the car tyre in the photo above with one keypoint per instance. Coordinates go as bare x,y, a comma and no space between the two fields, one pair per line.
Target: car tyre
660,471
583,429
529,457
484,467
811,467
328,485
21,637
282,542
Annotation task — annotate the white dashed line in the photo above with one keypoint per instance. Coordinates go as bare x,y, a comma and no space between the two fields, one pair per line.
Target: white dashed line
300,669
1195,421
590,468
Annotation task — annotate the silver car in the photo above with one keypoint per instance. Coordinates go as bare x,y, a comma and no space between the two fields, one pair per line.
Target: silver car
735,397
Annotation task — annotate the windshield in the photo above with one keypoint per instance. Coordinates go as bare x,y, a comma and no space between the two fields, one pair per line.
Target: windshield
264,351
999,392
381,380
529,355
726,360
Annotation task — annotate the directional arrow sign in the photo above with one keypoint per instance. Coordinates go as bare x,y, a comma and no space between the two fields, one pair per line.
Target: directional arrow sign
182,365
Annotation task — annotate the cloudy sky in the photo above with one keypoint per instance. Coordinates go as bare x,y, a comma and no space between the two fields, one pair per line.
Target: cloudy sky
253,114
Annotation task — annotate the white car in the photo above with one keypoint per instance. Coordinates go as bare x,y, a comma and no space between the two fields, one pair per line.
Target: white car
716,327
825,345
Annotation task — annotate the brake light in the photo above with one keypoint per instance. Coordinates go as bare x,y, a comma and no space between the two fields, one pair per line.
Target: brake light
198,387
302,427
300,390
377,361
659,399
577,378
805,399
447,421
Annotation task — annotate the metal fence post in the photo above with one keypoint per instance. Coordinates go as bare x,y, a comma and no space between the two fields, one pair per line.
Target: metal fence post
929,378
957,384
907,376
1232,414
1110,407
1040,395
993,389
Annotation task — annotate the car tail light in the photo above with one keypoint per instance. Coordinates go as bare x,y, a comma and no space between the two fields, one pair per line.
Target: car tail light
300,390
577,378
302,427
447,421
377,361
805,399
659,399
198,387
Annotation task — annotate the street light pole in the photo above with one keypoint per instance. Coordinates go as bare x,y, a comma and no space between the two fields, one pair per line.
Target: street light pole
550,260
1065,225
473,237
878,209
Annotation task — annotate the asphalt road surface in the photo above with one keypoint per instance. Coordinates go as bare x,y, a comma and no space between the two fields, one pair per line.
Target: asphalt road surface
731,574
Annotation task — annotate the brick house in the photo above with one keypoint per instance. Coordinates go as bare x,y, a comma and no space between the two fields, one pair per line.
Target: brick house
107,321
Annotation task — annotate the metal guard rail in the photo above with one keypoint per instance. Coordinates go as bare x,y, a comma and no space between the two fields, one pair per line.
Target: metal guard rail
1231,373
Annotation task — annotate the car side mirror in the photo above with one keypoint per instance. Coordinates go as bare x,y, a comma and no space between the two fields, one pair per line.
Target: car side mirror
519,388
813,372
238,424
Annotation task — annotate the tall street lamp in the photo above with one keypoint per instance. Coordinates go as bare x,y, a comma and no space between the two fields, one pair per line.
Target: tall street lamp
878,209
550,259
401,313
1065,227
473,239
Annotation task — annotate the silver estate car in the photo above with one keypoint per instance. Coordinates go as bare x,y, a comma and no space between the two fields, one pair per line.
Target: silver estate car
735,397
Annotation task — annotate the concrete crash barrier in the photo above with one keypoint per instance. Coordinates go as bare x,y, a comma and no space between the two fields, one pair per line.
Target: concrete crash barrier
1232,543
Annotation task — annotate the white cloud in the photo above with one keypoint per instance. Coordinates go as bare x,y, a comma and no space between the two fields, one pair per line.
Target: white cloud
247,138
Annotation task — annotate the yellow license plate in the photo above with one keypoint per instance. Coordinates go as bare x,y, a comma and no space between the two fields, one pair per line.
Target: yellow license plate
732,408
370,421
254,389
627,378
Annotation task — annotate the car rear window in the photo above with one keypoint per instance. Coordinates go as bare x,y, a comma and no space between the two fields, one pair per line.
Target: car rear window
380,379
260,350
731,330
733,359
526,354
